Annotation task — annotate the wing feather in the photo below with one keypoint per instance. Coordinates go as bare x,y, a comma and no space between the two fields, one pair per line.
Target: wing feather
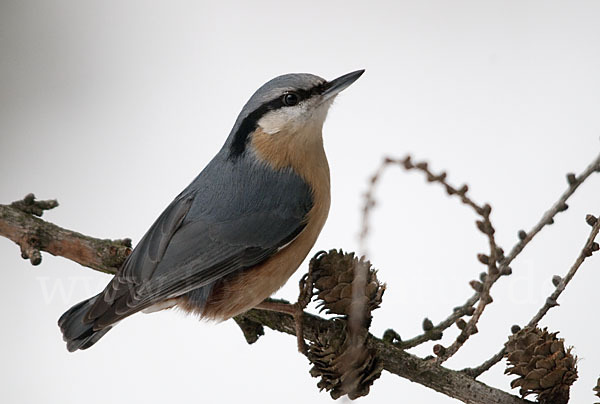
223,222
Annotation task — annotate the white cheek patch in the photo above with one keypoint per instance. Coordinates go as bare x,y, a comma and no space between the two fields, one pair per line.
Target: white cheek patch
272,122
287,118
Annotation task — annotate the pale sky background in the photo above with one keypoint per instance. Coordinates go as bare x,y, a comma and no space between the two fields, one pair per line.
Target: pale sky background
112,107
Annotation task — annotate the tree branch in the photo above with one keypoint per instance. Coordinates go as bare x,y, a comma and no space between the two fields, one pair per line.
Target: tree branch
449,382
33,234
482,297
498,264
559,206
588,249
574,181
107,256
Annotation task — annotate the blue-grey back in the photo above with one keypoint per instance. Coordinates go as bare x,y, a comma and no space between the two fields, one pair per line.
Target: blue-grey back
234,215
227,190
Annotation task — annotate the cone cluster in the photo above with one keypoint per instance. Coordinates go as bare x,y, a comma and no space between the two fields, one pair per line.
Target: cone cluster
341,358
543,366
343,368
333,275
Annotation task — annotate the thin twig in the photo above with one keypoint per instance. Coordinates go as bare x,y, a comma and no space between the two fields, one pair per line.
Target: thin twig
559,206
407,164
436,332
485,226
485,366
588,249
496,254
547,219
493,274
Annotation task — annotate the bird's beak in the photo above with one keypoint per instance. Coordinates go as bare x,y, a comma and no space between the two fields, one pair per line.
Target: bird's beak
334,87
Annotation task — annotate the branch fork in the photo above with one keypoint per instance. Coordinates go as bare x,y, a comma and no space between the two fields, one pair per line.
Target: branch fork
20,222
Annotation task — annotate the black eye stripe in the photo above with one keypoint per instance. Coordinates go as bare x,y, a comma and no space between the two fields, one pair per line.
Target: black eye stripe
250,122
315,90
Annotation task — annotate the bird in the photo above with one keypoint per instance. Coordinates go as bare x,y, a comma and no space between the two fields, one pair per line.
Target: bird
241,228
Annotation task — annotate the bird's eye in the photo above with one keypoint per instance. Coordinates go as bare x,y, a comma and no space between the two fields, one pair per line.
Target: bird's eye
291,99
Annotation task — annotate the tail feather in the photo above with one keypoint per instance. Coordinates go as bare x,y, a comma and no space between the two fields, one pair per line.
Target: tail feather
77,333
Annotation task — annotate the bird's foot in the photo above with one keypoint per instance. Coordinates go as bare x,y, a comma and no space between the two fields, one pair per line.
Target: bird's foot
295,310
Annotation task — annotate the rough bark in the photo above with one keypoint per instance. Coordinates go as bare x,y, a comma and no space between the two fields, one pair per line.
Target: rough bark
34,234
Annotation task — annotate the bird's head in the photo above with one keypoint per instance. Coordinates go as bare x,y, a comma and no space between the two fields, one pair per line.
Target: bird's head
288,106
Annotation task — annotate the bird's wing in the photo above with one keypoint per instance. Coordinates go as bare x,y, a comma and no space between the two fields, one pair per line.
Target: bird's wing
203,236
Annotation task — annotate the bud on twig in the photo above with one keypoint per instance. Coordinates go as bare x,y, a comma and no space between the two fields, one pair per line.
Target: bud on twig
556,280
391,336
480,225
439,350
587,252
427,324
476,285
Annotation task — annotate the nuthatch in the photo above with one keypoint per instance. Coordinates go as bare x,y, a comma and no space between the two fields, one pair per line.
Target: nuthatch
241,228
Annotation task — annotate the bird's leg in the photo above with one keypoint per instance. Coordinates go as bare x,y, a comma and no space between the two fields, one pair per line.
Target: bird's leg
296,310
278,306
305,296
